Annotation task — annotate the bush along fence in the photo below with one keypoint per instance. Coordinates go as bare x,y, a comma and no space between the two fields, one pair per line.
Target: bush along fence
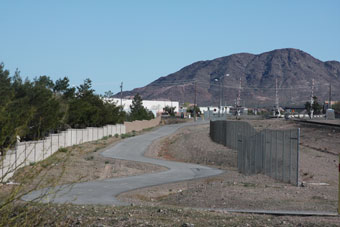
274,153
26,153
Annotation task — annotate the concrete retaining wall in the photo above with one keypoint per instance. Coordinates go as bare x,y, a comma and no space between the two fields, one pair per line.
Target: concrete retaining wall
140,125
26,153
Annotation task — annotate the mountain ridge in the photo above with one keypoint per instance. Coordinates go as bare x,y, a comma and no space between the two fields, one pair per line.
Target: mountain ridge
293,68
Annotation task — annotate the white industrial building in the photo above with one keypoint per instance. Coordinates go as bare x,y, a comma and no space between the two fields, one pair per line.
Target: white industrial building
156,106
215,110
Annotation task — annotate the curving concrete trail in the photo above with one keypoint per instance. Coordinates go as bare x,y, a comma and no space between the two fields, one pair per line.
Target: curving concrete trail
133,148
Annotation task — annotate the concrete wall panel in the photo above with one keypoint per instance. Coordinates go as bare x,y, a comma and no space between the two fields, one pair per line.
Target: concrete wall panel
35,151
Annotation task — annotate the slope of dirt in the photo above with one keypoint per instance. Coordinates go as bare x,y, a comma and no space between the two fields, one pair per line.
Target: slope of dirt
237,191
91,215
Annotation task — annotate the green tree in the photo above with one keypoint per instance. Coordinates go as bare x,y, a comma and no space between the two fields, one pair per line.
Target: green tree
108,94
46,108
308,107
6,94
169,110
138,111
85,89
44,81
192,108
14,116
336,107
316,107
61,85
33,109
86,108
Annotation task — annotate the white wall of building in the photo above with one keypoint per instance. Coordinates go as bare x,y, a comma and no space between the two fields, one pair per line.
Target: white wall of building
154,105
225,109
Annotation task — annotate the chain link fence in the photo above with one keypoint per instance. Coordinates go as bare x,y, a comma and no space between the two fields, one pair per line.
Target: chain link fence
272,152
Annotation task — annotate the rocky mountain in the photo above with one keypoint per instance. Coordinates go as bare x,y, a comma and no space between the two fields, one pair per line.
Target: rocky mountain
293,69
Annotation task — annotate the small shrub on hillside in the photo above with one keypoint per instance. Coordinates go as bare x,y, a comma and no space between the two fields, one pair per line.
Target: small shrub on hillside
96,149
89,158
126,135
62,149
32,163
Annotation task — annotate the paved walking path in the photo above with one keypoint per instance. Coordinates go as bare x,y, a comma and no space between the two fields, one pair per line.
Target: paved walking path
133,148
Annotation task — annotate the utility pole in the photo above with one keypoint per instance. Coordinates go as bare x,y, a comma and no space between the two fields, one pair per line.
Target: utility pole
330,97
222,95
312,100
222,99
195,102
277,107
121,95
219,109
238,100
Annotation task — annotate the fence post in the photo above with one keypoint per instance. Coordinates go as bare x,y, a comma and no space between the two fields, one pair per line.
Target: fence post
298,157
44,148
35,151
271,153
239,154
276,159
2,167
290,156
256,155
263,151
16,155
283,155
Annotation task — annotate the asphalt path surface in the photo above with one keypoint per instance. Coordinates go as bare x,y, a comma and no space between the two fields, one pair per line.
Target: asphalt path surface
133,148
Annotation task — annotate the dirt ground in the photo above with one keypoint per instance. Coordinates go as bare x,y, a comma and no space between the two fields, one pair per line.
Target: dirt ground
92,215
237,191
175,204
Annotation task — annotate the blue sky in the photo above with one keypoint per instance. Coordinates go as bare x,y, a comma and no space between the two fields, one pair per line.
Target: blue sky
139,41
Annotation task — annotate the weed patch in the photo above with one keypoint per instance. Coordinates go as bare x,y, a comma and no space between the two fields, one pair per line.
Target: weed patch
89,158
62,149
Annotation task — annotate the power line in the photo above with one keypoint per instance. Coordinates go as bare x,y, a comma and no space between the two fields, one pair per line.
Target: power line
121,94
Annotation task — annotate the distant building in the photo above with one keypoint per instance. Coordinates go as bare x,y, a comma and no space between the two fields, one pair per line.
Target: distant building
215,109
332,103
155,106
294,109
